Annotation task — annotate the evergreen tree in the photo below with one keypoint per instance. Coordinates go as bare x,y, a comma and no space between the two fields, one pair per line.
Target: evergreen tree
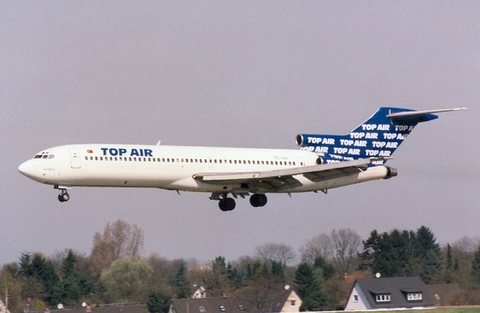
303,280
277,269
370,248
181,282
39,269
158,302
405,253
448,275
25,263
68,264
476,268
432,267
326,268
309,289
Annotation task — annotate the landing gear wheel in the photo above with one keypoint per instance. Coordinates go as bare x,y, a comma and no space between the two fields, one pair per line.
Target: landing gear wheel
258,200
63,197
226,204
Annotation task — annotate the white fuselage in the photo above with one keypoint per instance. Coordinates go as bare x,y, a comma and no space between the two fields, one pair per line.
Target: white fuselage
173,167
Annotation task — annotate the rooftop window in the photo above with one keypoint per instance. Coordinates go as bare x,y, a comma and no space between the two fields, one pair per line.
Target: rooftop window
382,298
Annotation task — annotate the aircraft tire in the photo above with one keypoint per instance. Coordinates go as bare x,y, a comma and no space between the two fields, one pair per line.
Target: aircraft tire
254,200
226,204
262,200
63,197
257,200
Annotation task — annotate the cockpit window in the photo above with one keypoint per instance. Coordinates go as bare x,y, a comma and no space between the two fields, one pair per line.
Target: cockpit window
44,155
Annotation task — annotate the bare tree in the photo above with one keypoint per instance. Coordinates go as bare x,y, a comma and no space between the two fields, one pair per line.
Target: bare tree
119,240
276,252
340,248
318,246
347,244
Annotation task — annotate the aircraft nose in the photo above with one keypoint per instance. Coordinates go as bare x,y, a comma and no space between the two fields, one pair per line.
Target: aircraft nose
26,168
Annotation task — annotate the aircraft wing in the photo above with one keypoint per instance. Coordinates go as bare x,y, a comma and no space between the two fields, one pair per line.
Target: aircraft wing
278,180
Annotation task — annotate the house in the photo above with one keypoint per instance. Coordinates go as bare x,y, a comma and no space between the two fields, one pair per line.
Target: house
388,293
200,293
288,301
291,302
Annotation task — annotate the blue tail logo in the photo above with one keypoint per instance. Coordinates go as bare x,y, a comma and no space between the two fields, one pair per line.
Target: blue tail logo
377,137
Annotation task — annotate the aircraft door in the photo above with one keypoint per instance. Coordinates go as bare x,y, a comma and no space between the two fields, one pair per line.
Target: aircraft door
75,158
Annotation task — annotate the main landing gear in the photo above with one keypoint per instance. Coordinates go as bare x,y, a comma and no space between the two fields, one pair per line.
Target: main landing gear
228,204
258,200
63,196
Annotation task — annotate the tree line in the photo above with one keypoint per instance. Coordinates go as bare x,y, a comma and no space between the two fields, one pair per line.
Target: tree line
322,274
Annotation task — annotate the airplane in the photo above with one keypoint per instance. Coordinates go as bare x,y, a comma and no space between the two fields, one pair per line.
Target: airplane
323,162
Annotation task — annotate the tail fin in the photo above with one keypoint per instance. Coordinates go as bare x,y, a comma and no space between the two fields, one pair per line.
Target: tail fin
377,137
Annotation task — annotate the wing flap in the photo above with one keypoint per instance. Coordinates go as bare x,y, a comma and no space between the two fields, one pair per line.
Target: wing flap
285,177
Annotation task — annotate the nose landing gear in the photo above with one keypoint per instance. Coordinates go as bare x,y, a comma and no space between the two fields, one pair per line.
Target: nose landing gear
63,196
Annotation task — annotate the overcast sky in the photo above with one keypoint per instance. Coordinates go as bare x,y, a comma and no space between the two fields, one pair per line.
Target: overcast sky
237,74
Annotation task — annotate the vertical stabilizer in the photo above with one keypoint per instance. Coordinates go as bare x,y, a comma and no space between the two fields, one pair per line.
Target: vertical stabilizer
377,137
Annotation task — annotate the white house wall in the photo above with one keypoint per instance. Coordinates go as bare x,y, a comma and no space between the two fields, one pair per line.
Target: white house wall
357,305
288,307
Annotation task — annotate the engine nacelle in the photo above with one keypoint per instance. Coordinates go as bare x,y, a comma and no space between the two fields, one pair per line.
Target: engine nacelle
299,140
391,172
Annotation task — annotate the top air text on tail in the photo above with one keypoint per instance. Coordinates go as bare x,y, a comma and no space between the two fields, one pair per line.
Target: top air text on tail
323,162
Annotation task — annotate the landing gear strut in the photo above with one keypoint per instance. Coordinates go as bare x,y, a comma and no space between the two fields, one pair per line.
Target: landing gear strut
226,204
257,200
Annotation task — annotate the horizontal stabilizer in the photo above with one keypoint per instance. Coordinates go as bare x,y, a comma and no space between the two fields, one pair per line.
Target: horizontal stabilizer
409,114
